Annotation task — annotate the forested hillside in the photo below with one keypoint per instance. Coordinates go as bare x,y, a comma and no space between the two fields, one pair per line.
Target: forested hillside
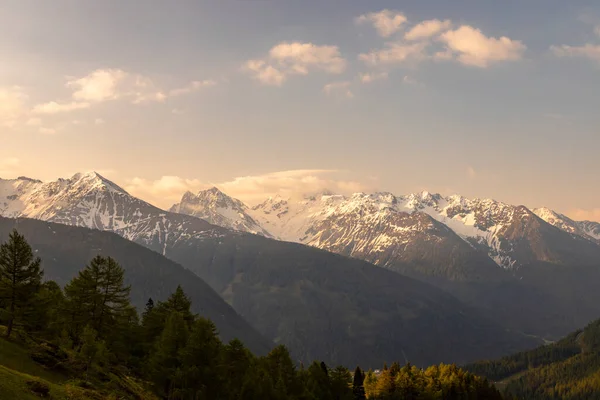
567,369
87,341
320,305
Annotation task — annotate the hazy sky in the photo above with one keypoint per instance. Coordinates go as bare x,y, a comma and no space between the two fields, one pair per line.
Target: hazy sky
484,98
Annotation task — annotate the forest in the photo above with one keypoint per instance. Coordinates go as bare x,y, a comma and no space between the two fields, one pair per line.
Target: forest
90,336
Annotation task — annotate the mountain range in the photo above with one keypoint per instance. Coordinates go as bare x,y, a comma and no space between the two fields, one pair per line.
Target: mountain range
529,269
321,305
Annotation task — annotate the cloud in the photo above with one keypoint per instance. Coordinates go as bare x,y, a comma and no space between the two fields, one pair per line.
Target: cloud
597,30
427,29
102,85
99,85
339,88
163,192
584,215
192,87
98,121
386,22
53,107
588,50
473,48
370,77
286,59
12,105
167,190
395,53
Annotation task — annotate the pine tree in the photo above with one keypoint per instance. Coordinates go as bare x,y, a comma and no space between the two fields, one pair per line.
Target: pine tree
148,309
98,297
20,277
201,372
358,387
165,361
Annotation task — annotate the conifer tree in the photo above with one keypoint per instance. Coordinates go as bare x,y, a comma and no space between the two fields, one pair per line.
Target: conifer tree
98,297
20,278
358,387
201,372
165,361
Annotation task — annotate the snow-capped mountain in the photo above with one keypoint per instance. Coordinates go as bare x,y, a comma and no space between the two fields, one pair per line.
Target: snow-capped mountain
449,235
268,281
586,229
219,209
92,201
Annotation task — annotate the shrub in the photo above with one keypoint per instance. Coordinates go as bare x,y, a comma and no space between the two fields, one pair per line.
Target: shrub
41,389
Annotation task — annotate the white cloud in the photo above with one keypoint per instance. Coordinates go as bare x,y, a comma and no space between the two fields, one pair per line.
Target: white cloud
163,192
588,50
597,30
166,191
427,29
386,22
53,107
104,85
99,85
370,77
265,73
98,121
286,59
178,111
395,53
473,48
339,88
12,105
192,87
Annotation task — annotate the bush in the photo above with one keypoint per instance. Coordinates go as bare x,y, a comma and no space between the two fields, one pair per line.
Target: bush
41,389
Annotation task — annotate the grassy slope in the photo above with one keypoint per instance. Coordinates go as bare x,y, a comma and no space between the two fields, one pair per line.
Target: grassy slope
17,368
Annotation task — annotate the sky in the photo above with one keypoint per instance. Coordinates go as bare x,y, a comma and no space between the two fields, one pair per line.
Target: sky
485,98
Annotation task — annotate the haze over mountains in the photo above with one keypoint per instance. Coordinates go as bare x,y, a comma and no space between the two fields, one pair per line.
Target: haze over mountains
501,271
528,269
322,305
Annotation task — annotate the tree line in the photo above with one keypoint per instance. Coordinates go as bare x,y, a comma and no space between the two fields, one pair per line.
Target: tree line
90,330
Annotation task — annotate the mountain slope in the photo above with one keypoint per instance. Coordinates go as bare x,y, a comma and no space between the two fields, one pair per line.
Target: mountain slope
323,306
340,309
216,207
586,229
66,250
503,259
567,369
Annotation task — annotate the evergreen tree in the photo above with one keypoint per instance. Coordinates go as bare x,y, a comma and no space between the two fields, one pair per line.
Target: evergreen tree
341,383
358,387
20,278
165,362
148,309
99,298
201,372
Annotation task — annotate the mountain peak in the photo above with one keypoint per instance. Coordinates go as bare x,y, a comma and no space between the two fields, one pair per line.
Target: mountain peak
94,180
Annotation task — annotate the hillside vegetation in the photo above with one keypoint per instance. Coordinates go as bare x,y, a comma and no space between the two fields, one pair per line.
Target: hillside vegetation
568,369
86,341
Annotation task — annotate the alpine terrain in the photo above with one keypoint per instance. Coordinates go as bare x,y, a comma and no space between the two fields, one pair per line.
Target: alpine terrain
529,269
322,305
